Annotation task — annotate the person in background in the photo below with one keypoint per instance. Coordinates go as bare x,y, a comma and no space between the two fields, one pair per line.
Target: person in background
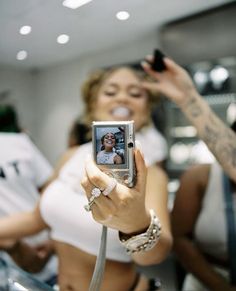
24,172
78,134
137,218
108,155
176,84
199,228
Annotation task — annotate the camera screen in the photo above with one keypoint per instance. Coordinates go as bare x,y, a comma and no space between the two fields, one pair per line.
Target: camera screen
110,145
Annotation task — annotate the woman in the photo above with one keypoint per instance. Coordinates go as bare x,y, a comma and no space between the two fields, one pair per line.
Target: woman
199,228
134,214
108,155
198,221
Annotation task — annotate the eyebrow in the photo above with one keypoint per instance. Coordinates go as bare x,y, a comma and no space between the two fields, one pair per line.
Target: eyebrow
130,86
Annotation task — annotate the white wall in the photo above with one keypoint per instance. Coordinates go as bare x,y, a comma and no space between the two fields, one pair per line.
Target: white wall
48,100
20,85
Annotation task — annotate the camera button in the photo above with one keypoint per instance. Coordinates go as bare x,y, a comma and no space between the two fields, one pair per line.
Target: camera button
130,145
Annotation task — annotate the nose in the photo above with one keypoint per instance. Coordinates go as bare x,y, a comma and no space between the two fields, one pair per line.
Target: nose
122,97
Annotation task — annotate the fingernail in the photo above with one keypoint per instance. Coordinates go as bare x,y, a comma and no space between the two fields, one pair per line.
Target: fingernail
144,64
139,147
138,144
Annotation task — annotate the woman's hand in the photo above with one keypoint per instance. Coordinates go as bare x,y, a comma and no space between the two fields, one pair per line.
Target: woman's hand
117,159
29,258
8,244
174,82
124,208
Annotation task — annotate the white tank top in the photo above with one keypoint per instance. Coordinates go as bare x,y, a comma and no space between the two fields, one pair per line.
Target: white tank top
62,208
62,204
210,229
104,157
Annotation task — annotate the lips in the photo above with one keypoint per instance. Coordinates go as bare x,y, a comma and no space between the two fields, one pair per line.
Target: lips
121,112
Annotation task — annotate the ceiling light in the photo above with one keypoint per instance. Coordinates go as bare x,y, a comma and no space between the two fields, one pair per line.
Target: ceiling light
74,4
122,15
63,38
21,55
26,29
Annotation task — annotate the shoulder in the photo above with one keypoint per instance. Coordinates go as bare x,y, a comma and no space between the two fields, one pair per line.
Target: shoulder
66,157
73,156
196,175
63,160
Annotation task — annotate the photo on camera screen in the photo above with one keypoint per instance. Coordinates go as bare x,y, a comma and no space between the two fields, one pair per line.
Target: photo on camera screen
110,145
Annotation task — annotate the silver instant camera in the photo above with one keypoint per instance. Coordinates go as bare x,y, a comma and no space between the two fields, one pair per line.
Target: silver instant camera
113,146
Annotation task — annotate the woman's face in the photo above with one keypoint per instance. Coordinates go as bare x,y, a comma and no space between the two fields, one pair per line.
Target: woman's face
121,97
109,141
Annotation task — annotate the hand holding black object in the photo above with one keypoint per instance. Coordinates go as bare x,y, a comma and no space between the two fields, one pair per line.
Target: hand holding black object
158,64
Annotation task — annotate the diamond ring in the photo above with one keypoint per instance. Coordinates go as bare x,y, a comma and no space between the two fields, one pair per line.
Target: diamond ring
96,192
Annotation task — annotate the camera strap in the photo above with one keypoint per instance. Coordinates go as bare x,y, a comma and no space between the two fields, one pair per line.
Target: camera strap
96,281
231,227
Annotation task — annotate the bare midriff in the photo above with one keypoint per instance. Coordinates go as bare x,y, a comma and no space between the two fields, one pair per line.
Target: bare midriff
76,269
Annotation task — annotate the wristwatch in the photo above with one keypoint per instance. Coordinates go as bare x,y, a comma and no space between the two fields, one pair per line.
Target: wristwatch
144,241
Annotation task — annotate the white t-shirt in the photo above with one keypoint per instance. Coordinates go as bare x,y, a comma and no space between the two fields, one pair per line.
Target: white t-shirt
23,169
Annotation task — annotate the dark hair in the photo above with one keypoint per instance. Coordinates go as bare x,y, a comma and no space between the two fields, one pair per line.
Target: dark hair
8,119
78,134
233,126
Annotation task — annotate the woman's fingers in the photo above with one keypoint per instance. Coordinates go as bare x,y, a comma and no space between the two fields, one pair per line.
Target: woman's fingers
141,170
96,176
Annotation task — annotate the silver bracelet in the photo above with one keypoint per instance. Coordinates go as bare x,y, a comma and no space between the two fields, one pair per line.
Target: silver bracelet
144,241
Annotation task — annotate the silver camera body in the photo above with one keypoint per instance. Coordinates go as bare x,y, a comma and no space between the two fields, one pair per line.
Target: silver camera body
103,135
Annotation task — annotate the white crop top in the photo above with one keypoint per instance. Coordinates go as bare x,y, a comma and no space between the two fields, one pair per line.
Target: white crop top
62,204
104,157
62,208
210,229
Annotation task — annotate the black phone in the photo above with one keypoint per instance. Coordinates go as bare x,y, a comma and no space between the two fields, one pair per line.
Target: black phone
158,64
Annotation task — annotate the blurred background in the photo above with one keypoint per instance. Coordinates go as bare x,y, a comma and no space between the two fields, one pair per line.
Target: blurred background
48,47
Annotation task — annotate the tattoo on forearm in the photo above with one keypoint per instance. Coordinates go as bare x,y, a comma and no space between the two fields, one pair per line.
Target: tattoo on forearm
210,136
222,142
226,153
193,108
220,139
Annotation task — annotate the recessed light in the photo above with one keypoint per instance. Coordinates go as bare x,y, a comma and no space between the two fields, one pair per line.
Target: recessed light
22,55
122,15
74,4
63,38
26,29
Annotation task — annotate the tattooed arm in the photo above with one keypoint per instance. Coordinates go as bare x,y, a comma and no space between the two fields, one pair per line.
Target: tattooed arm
176,84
